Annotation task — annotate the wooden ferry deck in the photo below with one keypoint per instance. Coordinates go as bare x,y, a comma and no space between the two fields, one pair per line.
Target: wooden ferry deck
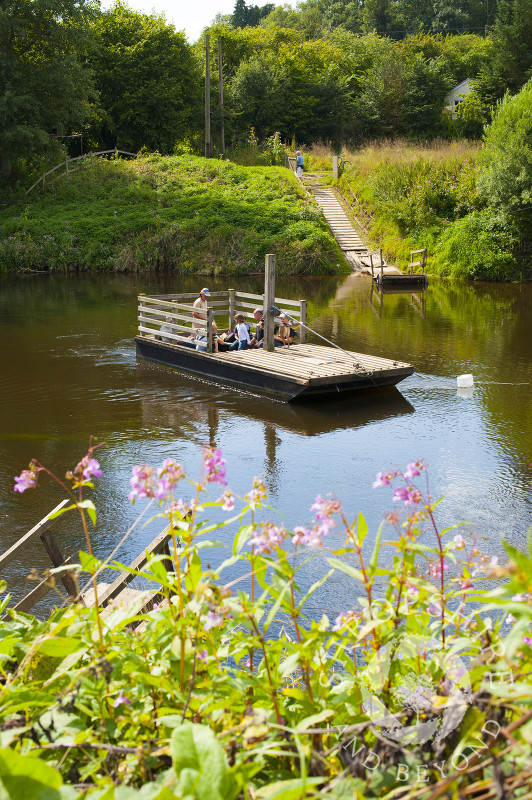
287,373
166,336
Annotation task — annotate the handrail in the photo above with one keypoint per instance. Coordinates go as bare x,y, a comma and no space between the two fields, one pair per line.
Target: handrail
68,161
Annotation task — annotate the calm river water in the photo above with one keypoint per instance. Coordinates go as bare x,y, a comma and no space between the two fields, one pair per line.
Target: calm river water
69,369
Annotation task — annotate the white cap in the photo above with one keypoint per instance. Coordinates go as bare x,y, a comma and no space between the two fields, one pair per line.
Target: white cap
204,291
258,311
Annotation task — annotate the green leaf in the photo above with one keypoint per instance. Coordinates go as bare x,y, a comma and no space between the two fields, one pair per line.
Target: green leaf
289,665
89,563
3,587
347,568
314,587
194,573
241,538
275,608
27,778
309,722
362,528
286,790
375,555
199,761
61,511
90,508
58,646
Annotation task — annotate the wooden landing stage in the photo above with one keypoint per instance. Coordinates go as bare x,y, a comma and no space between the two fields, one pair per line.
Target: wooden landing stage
299,371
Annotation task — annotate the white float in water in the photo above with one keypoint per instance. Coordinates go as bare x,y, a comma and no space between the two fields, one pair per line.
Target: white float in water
464,381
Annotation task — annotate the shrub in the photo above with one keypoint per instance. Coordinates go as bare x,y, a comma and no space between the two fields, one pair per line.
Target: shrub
478,246
224,692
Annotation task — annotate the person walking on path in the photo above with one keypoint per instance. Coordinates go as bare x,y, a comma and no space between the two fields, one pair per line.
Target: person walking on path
299,164
201,314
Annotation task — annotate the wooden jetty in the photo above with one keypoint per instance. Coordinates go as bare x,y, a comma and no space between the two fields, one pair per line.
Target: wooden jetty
299,371
355,251
118,594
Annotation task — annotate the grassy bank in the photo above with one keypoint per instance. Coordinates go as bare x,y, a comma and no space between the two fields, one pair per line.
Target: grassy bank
186,214
410,196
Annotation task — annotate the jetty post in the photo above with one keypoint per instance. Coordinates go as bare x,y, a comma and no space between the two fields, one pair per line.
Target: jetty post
269,301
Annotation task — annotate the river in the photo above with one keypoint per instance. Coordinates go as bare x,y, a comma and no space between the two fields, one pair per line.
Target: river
69,370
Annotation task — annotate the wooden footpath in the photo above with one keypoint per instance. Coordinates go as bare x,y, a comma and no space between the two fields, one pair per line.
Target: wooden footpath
354,249
356,252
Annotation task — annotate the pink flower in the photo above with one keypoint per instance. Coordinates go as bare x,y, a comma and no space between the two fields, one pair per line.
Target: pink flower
527,640
168,475
459,542
435,568
435,610
400,493
27,478
383,479
121,699
268,537
301,535
213,620
87,468
143,482
343,619
258,492
227,500
203,656
414,469
214,464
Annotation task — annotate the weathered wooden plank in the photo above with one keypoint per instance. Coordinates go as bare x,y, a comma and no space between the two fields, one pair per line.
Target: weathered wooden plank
10,554
158,545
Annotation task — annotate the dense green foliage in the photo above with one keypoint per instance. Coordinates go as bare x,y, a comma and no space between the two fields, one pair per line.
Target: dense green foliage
183,213
44,87
342,87
148,81
421,684
471,210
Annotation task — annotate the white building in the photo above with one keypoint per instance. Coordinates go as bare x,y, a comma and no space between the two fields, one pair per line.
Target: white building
456,95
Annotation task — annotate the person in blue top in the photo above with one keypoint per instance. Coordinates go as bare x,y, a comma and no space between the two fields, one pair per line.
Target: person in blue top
299,164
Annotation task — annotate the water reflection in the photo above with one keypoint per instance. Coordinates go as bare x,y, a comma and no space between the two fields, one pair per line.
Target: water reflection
68,369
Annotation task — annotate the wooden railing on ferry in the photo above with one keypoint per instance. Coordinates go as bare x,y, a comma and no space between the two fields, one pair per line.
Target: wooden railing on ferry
169,317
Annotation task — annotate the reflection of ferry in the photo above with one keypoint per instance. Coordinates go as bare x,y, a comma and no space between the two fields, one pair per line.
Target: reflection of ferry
183,404
300,370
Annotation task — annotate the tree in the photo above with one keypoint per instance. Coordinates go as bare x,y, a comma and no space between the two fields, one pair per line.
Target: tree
504,176
44,87
511,62
244,16
149,81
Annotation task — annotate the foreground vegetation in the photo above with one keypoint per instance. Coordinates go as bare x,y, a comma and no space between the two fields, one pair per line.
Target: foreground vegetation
185,214
421,686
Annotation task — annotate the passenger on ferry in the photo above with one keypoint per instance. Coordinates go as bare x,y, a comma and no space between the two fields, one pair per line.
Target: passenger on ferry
200,315
259,329
283,334
242,334
201,339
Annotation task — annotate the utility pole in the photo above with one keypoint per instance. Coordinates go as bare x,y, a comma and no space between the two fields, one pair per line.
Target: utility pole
207,100
221,93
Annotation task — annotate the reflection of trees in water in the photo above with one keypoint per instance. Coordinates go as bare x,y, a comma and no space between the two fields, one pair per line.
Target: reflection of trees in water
273,469
485,329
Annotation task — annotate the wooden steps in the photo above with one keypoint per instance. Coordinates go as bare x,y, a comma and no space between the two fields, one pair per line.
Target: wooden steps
340,225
